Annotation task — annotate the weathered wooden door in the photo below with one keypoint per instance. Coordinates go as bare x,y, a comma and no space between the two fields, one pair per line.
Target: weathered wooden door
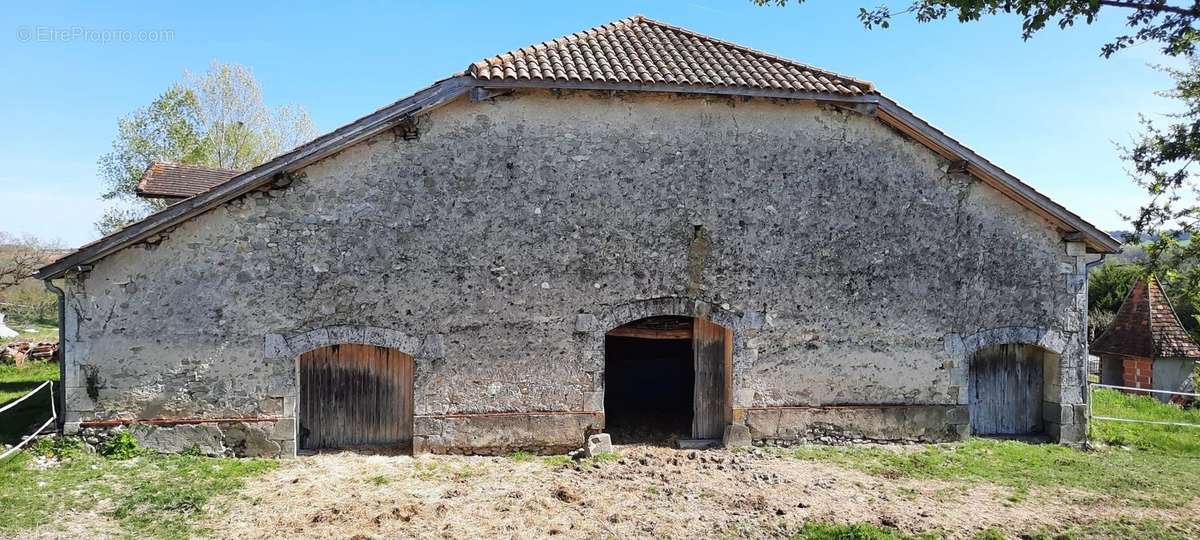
712,347
1006,390
355,395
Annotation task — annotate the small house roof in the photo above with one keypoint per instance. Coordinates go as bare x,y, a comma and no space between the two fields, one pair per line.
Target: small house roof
1146,325
178,181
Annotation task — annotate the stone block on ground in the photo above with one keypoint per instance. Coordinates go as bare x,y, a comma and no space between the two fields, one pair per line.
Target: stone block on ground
697,444
249,440
737,436
599,443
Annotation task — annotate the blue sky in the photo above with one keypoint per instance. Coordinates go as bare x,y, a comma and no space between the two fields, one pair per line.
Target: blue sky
1047,110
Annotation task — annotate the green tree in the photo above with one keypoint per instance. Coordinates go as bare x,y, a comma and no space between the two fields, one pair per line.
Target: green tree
1171,23
217,119
168,129
1163,163
1108,285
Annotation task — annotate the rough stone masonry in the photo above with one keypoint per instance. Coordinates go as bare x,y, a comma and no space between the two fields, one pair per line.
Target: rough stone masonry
497,241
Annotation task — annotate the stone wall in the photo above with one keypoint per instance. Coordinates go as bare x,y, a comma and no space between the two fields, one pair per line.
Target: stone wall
499,245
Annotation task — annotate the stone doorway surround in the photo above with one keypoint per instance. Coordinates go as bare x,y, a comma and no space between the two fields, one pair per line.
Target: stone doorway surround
593,327
289,346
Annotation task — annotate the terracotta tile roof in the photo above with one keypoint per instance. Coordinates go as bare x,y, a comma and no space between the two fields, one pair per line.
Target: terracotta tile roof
644,51
1147,326
177,181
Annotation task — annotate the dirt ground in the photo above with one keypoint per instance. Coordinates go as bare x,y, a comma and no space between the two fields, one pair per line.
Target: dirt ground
649,492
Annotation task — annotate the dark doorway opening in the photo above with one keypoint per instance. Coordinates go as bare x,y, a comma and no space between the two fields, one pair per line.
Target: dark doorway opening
649,381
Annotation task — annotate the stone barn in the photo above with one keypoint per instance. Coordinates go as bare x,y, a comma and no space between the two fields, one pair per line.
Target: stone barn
635,229
1146,347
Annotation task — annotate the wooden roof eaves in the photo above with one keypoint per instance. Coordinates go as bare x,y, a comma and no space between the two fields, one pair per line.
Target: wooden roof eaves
1097,240
424,100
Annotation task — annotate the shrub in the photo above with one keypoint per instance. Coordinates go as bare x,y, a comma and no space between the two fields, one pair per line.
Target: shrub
122,445
57,447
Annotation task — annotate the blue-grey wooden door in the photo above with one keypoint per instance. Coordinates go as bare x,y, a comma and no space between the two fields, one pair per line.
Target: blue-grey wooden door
1005,390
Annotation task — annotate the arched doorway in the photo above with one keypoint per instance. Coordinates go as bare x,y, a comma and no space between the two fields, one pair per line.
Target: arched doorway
667,379
1006,389
354,396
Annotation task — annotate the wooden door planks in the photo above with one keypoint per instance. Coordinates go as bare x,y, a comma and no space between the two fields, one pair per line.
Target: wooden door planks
355,395
1005,390
712,348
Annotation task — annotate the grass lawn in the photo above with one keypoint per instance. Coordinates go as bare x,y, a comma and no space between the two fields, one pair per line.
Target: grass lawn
1100,529
40,332
155,496
1130,476
16,382
1175,440
1138,464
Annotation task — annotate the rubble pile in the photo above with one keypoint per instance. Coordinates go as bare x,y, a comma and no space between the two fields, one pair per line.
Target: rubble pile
20,351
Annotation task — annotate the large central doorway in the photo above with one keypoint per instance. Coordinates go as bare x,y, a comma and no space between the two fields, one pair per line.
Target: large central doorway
666,380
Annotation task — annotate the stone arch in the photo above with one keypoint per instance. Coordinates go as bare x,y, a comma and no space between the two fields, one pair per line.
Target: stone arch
285,349
595,326
294,343
966,346
1064,391
628,312
744,324
963,348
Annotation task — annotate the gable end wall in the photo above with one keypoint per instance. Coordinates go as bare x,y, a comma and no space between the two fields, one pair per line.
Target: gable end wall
857,273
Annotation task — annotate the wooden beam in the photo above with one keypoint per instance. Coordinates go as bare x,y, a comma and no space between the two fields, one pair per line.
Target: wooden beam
480,93
651,333
737,91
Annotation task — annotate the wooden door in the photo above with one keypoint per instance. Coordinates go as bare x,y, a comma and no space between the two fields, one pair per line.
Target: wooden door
1006,390
712,348
355,395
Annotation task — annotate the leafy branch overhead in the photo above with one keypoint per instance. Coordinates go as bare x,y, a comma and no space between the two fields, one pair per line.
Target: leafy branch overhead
217,119
1170,23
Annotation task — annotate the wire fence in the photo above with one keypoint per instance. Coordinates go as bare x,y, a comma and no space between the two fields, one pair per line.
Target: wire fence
14,410
1142,391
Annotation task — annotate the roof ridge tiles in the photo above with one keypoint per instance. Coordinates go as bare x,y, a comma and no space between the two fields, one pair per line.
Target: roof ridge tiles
868,84
666,54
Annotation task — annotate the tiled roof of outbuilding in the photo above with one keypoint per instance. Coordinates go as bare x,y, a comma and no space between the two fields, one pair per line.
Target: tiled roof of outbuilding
177,181
1146,325
644,51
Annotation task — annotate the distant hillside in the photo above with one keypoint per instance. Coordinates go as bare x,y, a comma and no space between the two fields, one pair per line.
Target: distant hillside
1121,235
